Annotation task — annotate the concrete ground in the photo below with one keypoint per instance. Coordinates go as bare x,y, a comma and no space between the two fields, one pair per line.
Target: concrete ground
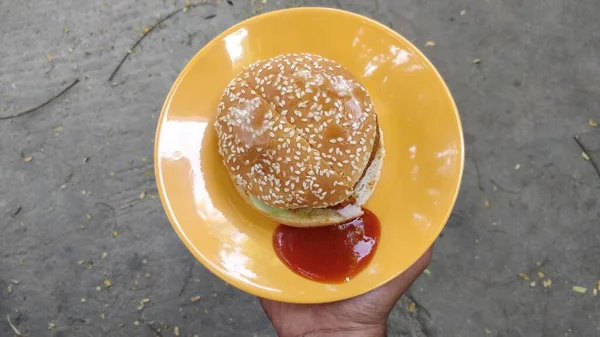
78,203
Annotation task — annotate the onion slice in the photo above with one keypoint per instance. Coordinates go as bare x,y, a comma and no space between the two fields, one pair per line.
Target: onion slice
349,211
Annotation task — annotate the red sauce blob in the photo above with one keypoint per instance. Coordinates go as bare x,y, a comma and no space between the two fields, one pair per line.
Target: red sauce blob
330,254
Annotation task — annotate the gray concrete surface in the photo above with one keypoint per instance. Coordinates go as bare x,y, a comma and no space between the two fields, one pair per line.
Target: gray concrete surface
537,85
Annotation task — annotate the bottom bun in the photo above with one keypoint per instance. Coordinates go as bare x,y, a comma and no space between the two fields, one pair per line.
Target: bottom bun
315,217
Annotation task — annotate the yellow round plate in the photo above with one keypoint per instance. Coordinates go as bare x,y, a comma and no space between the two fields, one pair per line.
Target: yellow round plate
421,173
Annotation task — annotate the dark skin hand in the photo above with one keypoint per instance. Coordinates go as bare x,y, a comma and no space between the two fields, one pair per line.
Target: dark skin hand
365,315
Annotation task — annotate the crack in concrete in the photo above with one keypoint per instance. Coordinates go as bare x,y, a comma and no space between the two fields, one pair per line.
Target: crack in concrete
187,278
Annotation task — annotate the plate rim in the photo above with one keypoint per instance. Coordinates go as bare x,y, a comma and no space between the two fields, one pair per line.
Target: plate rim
245,287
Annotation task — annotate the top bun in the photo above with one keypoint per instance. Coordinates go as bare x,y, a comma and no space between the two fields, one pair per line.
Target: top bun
296,131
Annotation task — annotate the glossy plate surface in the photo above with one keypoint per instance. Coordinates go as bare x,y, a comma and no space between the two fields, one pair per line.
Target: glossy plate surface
421,174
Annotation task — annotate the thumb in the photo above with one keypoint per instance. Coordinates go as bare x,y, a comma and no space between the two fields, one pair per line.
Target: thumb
391,291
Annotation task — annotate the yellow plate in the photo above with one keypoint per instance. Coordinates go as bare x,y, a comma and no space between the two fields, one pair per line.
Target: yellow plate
421,174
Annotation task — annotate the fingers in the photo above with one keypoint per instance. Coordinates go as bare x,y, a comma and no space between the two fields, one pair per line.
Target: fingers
418,267
399,285
383,297
267,306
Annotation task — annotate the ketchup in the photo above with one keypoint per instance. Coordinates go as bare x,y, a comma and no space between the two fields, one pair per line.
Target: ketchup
329,254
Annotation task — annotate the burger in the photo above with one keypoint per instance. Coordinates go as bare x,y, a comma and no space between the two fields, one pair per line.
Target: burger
300,139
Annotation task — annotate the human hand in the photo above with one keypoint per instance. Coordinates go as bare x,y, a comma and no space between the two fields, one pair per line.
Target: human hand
364,315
